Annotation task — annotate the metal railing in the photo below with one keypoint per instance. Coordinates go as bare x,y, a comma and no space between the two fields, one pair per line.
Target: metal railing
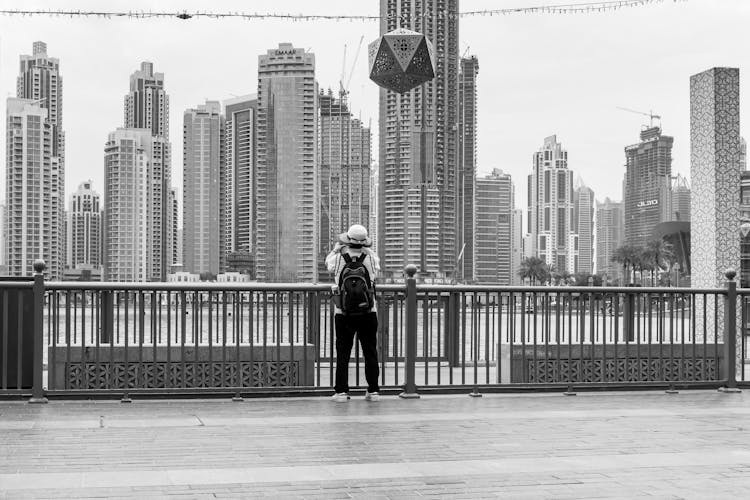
119,339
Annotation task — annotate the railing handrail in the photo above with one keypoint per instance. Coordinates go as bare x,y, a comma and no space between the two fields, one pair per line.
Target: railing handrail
17,284
324,287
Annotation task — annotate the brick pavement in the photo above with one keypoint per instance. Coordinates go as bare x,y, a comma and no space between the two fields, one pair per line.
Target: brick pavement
597,445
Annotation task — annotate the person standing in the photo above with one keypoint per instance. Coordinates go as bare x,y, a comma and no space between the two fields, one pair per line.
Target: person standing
354,266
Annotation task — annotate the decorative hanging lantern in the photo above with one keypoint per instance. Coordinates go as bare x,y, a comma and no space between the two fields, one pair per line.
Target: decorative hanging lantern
401,60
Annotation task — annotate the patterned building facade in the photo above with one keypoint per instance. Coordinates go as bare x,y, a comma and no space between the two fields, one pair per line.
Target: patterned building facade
583,218
418,148
610,234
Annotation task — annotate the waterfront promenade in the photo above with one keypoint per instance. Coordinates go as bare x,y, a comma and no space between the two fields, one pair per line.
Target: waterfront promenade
695,444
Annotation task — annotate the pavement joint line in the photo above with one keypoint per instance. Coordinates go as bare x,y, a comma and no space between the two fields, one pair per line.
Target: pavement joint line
372,471
401,417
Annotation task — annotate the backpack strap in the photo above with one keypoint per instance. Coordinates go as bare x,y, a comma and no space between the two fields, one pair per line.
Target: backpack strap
347,257
362,257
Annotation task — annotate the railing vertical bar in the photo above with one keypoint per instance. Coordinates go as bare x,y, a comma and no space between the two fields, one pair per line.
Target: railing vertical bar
4,374
683,370
524,371
671,337
183,337
475,308
604,345
168,372
126,377
487,338
53,333
208,374
463,339
426,316
141,373
292,302
95,328
19,341
716,335
396,336
546,331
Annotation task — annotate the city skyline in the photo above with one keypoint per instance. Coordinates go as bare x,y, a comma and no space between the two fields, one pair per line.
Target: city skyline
509,122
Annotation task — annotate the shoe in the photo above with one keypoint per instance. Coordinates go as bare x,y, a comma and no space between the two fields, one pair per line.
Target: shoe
372,396
340,397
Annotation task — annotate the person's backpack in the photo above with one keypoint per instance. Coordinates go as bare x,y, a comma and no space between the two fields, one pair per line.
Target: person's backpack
355,287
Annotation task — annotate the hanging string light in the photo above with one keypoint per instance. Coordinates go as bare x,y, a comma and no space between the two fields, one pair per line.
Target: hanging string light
571,8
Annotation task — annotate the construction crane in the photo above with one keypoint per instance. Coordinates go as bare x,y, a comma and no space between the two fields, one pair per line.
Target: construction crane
650,115
345,80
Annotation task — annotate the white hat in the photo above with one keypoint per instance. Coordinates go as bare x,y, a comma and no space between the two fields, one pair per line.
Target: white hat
357,235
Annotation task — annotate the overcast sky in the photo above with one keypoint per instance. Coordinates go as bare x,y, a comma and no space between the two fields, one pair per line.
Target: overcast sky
539,74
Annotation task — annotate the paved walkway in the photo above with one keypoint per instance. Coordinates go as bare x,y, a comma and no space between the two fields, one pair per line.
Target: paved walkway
597,445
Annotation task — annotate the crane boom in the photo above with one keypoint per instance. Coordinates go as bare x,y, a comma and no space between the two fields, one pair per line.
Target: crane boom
650,114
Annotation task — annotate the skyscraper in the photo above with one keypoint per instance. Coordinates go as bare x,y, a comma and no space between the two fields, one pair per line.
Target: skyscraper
238,184
610,234
495,201
84,228
550,208
517,248
583,218
39,80
203,162
680,199
646,190
344,166
28,190
287,174
418,133
147,107
467,157
128,246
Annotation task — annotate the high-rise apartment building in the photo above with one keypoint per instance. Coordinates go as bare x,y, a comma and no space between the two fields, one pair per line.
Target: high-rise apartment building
128,227
40,82
646,190
495,202
517,248
418,148
610,234
467,157
372,228
344,171
287,174
203,162
238,180
550,208
84,231
147,107
680,199
28,190
174,246
583,219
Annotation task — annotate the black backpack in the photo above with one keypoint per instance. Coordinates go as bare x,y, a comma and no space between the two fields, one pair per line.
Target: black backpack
357,294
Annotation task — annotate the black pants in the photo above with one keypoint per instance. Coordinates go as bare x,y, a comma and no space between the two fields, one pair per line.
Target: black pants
366,328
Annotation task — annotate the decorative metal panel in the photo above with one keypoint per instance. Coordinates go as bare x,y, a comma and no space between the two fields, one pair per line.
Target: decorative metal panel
622,370
160,375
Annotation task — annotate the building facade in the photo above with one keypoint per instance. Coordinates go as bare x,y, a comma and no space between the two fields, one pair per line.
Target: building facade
238,177
715,174
583,218
40,82
610,235
344,172
647,186
495,202
517,250
203,163
550,208
147,107
467,157
84,231
418,148
680,199
128,226
287,173
28,168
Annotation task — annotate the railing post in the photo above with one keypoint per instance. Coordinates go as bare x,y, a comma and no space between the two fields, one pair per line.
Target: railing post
410,387
37,391
730,333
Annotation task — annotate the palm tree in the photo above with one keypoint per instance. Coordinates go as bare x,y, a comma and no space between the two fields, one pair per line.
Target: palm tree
661,254
534,269
627,256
